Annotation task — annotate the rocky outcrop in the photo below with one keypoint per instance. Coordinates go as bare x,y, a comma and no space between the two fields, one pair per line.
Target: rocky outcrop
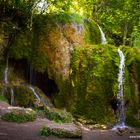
18,114
26,96
59,44
62,130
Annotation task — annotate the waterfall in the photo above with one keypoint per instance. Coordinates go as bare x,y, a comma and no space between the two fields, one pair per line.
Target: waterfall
34,92
6,73
103,38
12,96
120,97
6,82
120,88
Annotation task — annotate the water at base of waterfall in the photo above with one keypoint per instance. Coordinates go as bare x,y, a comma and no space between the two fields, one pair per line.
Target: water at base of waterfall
120,126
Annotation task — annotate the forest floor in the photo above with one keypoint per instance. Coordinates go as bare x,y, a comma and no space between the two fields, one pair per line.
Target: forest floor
30,131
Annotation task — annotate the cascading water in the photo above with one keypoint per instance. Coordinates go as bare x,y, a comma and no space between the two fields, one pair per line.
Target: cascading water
12,96
120,97
31,80
103,38
6,73
34,92
120,88
6,82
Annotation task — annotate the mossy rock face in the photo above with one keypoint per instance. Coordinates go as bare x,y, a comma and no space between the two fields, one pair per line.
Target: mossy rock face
63,131
132,85
94,83
58,115
86,75
51,44
53,39
24,96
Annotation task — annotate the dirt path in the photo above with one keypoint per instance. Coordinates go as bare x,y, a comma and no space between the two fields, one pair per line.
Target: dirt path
26,131
29,131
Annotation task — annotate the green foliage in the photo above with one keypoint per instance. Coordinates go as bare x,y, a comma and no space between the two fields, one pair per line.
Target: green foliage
116,18
136,37
19,117
92,34
64,18
59,6
59,116
21,48
33,46
52,116
24,96
45,131
132,84
92,81
131,121
2,98
61,18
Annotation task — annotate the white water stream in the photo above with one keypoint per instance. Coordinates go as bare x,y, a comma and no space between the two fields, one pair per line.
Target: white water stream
6,82
103,38
34,92
120,96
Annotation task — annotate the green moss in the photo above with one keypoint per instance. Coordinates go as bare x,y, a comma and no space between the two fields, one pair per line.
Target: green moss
92,33
19,116
59,116
132,84
2,98
62,18
24,96
21,47
92,81
131,121
34,45
60,132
